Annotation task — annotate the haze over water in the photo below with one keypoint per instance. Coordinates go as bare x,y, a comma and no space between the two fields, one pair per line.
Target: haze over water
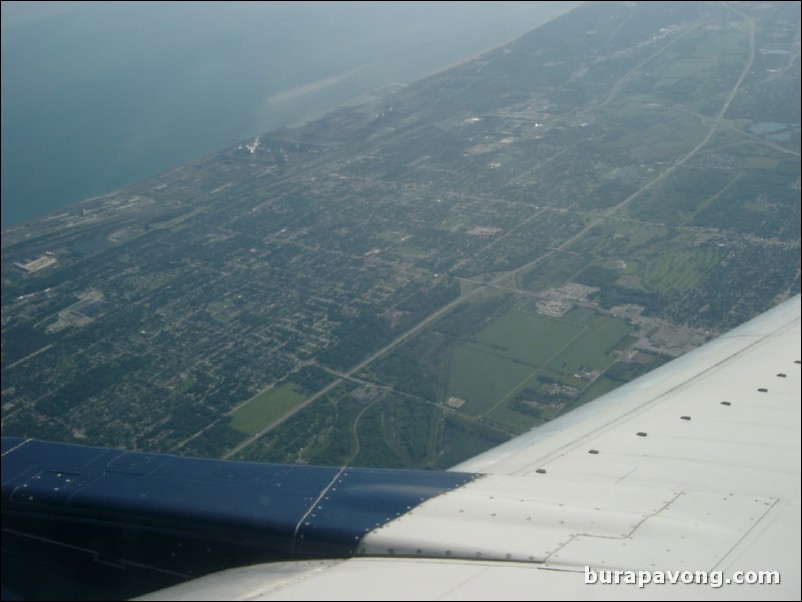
96,95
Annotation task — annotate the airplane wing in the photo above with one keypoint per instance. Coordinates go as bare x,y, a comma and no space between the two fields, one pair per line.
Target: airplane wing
688,477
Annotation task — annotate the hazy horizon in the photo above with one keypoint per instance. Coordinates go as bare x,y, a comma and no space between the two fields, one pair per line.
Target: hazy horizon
98,95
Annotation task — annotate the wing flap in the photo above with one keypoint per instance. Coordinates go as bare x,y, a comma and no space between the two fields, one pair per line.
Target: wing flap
516,518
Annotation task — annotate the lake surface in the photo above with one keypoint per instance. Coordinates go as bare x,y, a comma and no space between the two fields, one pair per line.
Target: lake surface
96,95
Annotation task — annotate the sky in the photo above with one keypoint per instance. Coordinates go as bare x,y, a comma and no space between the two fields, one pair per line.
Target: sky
99,94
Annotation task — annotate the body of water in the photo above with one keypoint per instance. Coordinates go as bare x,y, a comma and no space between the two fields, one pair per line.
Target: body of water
96,95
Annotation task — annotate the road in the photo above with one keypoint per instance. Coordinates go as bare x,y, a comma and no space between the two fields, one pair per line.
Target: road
512,275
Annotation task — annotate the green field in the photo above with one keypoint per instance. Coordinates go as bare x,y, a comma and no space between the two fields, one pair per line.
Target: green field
519,350
483,379
590,349
265,408
504,355
527,338
679,270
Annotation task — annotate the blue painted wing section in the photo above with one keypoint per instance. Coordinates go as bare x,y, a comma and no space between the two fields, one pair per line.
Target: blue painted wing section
185,517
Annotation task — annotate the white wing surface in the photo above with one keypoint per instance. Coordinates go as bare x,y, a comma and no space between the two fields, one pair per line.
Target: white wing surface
690,474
